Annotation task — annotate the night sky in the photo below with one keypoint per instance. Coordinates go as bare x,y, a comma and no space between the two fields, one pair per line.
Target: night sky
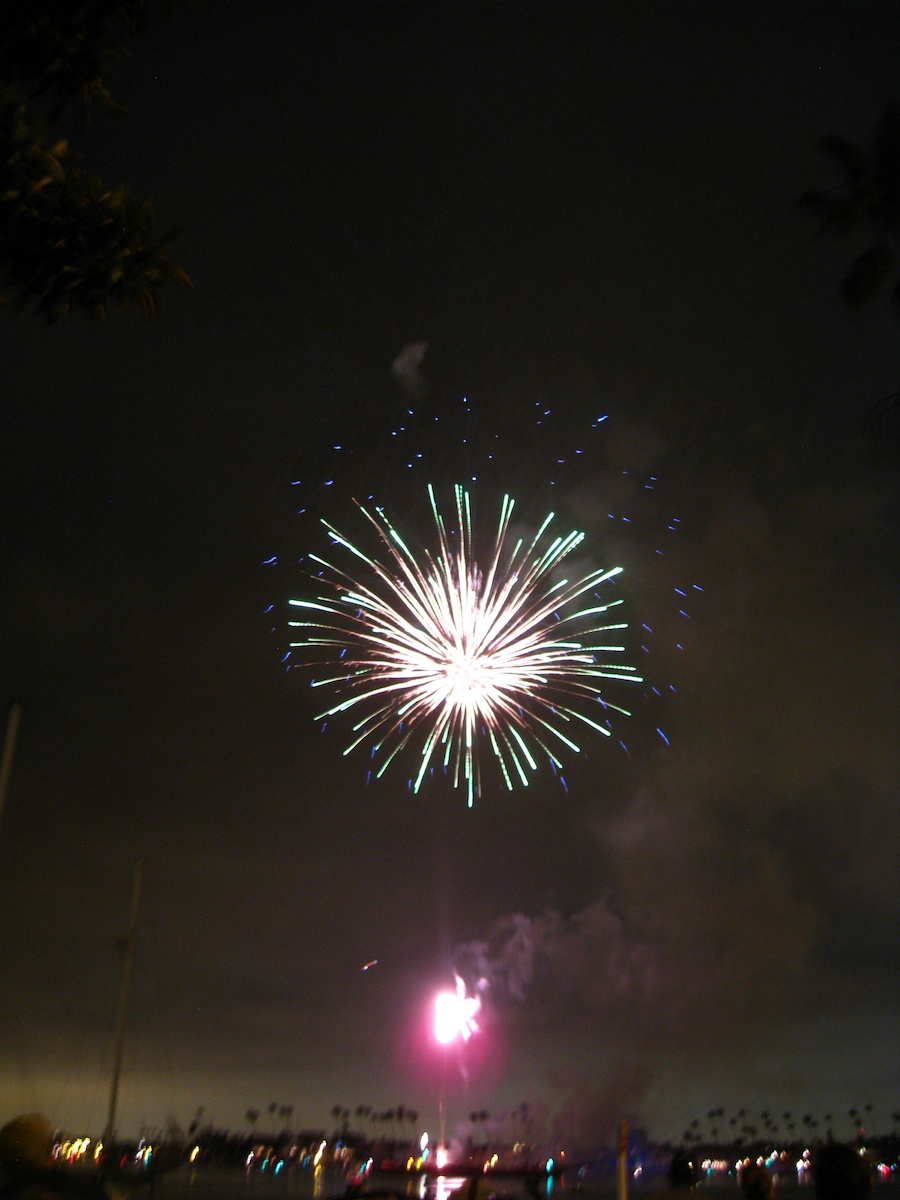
585,211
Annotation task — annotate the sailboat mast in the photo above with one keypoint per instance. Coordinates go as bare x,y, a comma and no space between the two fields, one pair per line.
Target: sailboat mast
110,1129
9,745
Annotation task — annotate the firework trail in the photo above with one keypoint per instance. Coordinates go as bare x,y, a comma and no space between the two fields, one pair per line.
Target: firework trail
435,650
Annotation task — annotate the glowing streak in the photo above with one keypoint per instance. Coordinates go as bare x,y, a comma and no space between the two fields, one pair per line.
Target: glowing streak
436,648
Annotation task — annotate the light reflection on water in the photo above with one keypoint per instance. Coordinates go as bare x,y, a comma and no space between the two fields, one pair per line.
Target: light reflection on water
444,1185
219,1183
212,1183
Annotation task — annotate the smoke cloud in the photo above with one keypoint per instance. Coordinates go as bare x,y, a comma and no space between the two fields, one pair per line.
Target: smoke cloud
407,367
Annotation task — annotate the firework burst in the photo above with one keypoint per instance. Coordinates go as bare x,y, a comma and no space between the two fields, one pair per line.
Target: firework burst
435,651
